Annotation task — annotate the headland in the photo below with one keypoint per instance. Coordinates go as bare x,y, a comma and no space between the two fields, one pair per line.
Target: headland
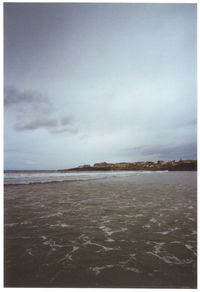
181,165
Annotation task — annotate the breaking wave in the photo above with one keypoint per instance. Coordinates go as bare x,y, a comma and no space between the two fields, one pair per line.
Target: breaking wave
23,177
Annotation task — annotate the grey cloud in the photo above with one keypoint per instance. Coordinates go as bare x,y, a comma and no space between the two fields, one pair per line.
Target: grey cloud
168,152
191,123
26,105
33,125
30,109
63,130
53,125
12,96
119,70
66,120
20,149
187,123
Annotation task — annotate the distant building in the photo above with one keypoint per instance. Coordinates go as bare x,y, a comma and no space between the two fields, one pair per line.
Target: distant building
189,161
122,164
101,164
84,166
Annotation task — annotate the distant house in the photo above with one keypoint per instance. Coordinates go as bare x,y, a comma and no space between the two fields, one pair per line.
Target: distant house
101,164
84,166
189,161
174,162
149,164
122,164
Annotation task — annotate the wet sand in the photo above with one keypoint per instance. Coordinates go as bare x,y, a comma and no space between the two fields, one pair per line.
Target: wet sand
135,232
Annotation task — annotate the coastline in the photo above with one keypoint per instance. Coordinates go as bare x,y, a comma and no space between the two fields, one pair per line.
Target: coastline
181,165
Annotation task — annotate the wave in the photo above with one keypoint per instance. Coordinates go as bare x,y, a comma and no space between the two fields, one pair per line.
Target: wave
51,178
53,181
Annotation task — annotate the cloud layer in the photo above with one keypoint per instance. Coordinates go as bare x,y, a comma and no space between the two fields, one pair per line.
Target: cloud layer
89,82
164,152
12,96
32,111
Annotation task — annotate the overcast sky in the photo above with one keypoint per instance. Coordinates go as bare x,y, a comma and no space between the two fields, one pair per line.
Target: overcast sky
87,83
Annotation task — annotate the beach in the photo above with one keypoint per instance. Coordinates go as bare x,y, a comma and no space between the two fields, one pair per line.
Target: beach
136,229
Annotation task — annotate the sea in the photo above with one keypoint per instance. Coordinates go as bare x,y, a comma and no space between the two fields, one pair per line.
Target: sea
113,229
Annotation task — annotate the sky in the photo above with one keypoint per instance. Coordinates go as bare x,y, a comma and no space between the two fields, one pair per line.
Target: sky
87,83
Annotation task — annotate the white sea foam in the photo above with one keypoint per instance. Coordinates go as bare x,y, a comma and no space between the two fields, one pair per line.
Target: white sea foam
10,224
57,214
75,248
29,251
190,247
52,244
102,247
153,220
107,230
168,259
164,232
63,225
25,222
23,177
171,260
44,237
167,231
97,270
158,246
139,215
110,239
135,270
131,257
68,256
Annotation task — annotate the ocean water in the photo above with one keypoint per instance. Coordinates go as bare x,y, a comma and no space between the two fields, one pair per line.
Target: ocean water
29,177
106,229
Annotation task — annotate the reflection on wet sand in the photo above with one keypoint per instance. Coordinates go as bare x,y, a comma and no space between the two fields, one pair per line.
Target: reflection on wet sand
120,232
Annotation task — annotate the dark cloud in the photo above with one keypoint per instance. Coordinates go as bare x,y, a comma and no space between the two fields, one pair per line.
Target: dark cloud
26,105
51,125
66,120
36,124
168,152
63,130
30,110
13,96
